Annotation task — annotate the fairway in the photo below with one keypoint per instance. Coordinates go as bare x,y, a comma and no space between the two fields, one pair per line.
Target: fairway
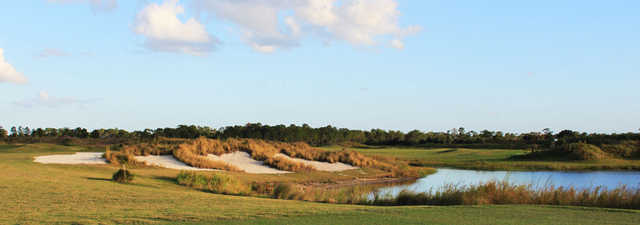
34,193
489,159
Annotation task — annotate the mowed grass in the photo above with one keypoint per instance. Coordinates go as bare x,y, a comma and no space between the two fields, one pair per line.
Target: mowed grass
489,159
34,193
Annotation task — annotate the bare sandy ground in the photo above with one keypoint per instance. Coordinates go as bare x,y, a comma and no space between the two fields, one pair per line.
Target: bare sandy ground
168,161
78,158
239,159
243,161
321,166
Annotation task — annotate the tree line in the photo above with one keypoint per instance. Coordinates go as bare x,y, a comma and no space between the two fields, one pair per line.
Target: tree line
330,135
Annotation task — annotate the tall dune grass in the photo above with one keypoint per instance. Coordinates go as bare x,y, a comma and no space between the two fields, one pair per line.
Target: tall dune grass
506,193
194,153
199,161
282,163
121,158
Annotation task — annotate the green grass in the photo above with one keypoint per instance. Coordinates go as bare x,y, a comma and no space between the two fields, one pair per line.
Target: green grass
490,159
34,193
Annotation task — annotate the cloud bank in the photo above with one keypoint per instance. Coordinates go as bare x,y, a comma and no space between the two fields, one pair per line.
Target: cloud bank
96,5
268,25
164,31
8,73
45,100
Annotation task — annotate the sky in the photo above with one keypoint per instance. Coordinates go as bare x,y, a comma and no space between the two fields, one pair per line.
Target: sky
514,66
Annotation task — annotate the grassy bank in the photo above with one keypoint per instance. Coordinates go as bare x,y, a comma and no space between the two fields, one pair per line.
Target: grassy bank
491,159
34,193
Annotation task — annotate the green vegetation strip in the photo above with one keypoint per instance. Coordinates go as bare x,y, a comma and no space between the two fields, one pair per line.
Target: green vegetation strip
34,193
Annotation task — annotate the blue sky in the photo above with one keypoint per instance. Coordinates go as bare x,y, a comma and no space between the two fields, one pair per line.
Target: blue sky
501,65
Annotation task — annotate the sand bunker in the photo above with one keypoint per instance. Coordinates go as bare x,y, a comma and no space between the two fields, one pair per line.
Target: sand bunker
78,158
168,161
239,159
243,161
321,166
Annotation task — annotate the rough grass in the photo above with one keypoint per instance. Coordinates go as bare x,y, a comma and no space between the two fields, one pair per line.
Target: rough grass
35,193
215,183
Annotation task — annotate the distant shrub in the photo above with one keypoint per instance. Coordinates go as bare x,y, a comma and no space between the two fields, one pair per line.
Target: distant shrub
123,176
583,151
627,149
283,191
66,141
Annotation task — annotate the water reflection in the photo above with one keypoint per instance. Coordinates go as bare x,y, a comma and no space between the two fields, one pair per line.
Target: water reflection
539,179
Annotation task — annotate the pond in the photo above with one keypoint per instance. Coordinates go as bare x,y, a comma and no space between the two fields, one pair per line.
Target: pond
538,179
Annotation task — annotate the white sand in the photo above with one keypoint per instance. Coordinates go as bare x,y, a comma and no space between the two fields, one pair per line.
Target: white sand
239,159
321,166
168,161
78,158
243,161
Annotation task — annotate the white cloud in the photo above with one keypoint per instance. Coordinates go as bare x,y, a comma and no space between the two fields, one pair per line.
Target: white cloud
270,25
96,5
164,31
397,44
44,99
8,73
52,52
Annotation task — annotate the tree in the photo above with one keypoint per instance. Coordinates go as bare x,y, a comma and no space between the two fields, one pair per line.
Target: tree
3,132
14,131
27,131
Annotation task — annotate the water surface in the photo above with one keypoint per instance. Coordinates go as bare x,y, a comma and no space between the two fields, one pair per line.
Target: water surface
539,179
